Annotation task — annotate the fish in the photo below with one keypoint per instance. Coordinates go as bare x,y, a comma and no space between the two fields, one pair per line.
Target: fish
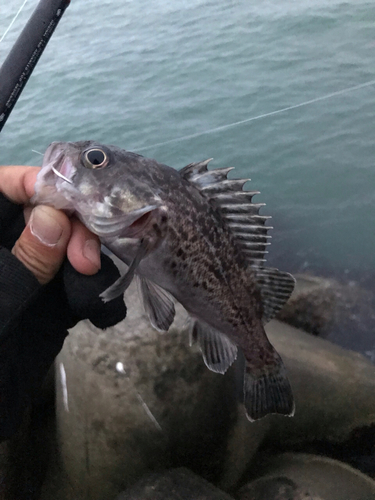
192,236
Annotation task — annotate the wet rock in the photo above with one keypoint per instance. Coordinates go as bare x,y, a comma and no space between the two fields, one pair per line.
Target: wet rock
297,476
132,400
274,488
175,484
312,304
243,441
341,313
334,390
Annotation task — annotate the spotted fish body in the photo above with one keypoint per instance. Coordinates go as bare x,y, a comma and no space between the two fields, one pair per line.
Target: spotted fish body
192,235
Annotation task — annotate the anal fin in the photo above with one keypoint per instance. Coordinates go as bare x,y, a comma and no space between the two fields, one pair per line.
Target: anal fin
158,304
218,351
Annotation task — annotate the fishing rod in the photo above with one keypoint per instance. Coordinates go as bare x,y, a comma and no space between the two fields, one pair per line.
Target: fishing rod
22,59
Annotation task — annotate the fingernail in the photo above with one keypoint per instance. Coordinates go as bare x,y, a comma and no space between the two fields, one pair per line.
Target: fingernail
91,251
45,227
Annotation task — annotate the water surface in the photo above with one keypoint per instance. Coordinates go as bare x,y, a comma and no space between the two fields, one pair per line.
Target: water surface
140,73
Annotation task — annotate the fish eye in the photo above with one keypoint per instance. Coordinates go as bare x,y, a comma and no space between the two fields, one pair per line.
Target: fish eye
94,158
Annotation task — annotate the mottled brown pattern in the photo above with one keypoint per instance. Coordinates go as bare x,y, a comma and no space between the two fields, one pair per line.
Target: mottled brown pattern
200,252
193,254
206,256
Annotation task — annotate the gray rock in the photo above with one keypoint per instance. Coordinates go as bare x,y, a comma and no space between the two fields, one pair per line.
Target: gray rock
274,488
243,441
334,389
132,400
312,304
341,313
175,484
297,476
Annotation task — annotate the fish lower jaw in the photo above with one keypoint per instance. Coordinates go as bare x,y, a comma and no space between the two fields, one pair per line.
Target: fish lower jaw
47,194
106,232
110,223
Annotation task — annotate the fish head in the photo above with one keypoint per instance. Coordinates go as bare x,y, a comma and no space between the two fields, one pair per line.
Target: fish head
103,185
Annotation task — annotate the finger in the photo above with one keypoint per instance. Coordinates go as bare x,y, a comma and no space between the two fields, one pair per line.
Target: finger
17,182
83,249
27,213
43,243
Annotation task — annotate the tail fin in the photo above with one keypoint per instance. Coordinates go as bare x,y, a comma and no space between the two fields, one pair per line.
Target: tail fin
267,390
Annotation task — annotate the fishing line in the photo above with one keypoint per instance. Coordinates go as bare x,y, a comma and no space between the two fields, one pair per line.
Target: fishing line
264,115
13,21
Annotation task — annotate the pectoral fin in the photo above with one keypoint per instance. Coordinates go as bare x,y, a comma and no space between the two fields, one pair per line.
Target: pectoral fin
158,305
119,286
218,351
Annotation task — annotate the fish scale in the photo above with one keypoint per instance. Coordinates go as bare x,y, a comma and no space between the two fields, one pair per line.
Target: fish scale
192,236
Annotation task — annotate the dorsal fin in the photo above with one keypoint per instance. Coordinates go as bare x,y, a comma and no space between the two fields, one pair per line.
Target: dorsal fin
275,289
235,206
193,169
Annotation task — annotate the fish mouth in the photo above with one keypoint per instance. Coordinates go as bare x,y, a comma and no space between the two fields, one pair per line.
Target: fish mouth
59,184
55,160
54,185
132,225
63,168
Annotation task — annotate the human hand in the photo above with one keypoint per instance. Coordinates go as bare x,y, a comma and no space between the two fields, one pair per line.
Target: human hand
61,253
50,234
38,307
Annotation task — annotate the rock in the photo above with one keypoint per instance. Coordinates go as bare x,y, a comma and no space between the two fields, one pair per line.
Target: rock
274,488
334,390
175,484
243,441
132,400
341,313
297,476
312,304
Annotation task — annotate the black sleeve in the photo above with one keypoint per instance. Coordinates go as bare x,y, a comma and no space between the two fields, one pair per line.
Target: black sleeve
34,319
18,288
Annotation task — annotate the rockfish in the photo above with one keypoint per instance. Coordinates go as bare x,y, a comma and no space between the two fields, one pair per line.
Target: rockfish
193,236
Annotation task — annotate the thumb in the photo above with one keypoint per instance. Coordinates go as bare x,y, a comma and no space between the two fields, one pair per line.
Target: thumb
43,243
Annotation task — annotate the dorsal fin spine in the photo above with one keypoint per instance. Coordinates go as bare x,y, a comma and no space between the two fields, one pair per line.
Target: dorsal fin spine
235,206
194,169
247,227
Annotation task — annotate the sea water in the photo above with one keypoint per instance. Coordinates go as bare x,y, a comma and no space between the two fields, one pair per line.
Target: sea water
160,77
